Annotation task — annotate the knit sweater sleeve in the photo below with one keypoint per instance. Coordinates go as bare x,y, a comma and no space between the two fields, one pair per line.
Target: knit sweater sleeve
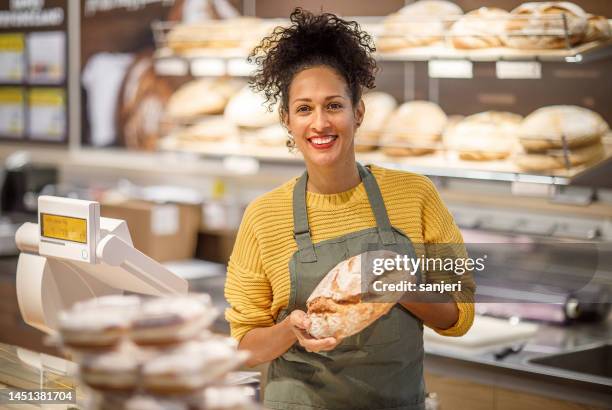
247,288
443,239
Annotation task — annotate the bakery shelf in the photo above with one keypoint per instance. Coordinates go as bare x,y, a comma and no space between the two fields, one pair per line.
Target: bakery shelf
442,164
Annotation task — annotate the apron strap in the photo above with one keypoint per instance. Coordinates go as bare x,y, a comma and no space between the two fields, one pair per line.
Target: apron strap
378,205
301,229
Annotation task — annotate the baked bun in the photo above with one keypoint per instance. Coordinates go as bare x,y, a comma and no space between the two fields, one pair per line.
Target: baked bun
191,366
486,136
540,25
598,29
202,97
378,108
556,159
210,129
413,129
418,24
481,28
546,127
172,319
248,109
215,34
335,308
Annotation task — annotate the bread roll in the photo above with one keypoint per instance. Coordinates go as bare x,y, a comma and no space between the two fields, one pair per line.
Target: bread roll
486,136
545,128
413,129
378,108
598,29
335,308
481,28
209,129
540,25
202,97
418,24
555,159
248,109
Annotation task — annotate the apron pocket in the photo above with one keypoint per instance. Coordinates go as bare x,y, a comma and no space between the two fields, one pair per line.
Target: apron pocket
384,331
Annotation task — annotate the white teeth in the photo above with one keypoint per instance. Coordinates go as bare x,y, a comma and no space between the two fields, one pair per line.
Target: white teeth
322,140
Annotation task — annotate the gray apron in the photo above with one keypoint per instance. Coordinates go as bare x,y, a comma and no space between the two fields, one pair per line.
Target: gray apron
379,368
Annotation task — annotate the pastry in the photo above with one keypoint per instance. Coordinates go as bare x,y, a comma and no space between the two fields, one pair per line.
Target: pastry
172,319
598,29
336,308
540,25
413,129
248,109
97,324
114,370
202,97
418,24
378,108
485,136
481,28
214,128
546,128
556,159
191,366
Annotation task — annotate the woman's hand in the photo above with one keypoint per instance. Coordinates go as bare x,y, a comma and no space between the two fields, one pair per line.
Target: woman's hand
300,324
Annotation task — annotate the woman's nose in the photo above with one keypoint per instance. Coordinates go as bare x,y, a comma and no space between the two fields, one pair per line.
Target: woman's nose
320,122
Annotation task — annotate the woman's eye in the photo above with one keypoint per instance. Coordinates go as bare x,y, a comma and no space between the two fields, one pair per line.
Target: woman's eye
335,106
303,108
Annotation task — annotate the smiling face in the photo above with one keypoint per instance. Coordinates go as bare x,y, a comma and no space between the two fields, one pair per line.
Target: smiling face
321,118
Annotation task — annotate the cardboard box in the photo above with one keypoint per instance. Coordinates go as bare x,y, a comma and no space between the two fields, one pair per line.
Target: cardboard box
162,231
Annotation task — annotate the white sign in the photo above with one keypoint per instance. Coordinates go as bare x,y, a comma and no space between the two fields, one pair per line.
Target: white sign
12,59
47,119
12,112
451,69
202,67
47,57
518,70
171,66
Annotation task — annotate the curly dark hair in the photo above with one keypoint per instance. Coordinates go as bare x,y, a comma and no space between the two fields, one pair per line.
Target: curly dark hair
313,40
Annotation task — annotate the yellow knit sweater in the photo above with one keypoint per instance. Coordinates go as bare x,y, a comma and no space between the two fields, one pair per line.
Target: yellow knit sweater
258,281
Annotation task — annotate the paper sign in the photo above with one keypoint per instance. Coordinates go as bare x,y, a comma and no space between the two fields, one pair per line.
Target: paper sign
450,69
518,70
47,57
165,220
12,112
208,67
47,119
12,58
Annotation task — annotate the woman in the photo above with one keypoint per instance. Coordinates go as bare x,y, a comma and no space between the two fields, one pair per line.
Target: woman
292,236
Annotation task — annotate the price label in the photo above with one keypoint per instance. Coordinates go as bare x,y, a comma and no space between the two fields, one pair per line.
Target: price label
171,67
518,70
451,69
202,67
241,165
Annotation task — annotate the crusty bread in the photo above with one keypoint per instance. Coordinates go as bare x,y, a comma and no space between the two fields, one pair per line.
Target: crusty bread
248,109
418,24
335,307
230,33
555,159
481,28
598,29
210,129
413,129
540,25
546,127
202,97
378,108
485,136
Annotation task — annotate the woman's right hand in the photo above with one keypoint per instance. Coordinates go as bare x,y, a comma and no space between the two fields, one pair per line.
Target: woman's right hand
300,324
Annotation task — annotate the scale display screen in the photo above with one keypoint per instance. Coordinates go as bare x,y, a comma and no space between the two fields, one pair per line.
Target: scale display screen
62,227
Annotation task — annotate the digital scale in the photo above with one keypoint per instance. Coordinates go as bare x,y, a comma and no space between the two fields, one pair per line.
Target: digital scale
73,254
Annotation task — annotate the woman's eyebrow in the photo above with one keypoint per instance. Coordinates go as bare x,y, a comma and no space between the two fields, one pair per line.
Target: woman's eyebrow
326,98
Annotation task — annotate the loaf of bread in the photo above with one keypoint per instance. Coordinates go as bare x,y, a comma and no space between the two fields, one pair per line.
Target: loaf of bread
486,136
547,127
551,160
418,24
204,96
229,33
481,28
413,129
335,307
541,25
209,129
378,108
598,29
248,109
